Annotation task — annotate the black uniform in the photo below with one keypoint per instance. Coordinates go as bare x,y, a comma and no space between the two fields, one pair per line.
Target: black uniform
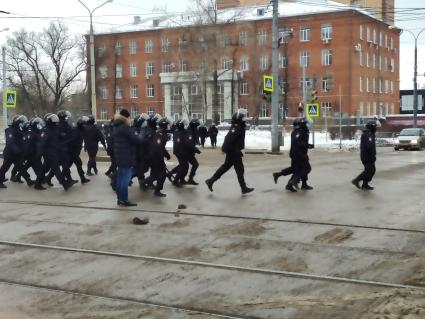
190,149
233,144
65,137
299,158
92,137
203,134
75,146
212,133
179,141
110,149
12,154
368,158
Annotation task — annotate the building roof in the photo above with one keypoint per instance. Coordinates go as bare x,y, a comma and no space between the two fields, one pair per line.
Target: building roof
239,14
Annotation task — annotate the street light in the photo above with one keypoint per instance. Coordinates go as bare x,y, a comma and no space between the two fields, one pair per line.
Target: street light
3,51
92,66
415,75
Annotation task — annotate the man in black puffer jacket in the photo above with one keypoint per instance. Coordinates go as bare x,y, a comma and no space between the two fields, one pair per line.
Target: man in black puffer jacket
126,141
233,144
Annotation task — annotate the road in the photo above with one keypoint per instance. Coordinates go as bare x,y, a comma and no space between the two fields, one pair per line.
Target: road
334,252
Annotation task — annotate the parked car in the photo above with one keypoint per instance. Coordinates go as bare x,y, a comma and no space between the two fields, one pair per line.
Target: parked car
410,138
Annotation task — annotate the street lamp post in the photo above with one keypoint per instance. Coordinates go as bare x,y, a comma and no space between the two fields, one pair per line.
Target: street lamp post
3,51
415,76
92,63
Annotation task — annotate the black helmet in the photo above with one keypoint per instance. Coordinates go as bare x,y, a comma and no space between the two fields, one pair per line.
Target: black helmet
46,116
163,123
52,119
140,119
26,126
82,120
18,121
90,119
304,123
37,124
153,119
181,124
64,115
372,125
194,123
239,115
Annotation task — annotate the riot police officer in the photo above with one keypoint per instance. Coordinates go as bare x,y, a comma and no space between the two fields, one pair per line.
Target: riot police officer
179,140
203,133
190,149
142,166
299,156
75,146
110,148
157,152
92,137
233,144
65,137
212,133
12,153
367,156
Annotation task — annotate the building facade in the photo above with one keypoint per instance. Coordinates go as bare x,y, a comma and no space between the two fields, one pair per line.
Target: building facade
349,59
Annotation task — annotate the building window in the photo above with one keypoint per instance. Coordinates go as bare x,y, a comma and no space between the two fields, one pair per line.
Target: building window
283,61
308,82
223,40
166,67
150,90
374,85
327,107
243,63
133,92
118,92
386,64
386,41
326,57
380,85
374,108
282,86
118,71
361,58
132,48
361,109
374,37
165,44
134,112
392,87
103,114
380,62
387,86
368,35
149,68
367,60
326,83
118,48
183,66
243,38
148,46
101,51
226,63
150,110
264,62
392,65
361,32
103,71
367,85
326,33
392,43
103,93
133,70
304,34
262,37
264,112
194,89
304,59
244,87
361,84
284,35
374,61
380,38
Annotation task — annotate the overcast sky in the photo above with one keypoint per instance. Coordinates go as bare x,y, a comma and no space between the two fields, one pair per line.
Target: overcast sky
40,12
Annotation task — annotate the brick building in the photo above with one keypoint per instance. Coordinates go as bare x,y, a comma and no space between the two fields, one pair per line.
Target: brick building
181,68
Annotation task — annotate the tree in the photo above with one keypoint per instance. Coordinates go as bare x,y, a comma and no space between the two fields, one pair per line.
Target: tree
43,66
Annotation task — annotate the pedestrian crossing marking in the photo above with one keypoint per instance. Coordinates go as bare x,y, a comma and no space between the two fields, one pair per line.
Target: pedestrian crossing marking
312,110
10,97
268,83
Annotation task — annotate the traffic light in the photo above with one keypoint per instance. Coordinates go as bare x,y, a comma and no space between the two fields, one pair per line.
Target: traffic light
313,96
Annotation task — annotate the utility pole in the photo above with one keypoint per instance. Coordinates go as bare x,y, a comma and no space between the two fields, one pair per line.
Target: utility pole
275,74
340,118
3,53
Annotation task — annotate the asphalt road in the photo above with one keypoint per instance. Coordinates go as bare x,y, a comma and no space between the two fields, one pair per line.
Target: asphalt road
334,252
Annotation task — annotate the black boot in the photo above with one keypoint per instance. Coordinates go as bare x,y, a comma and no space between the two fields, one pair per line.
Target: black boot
39,187
210,183
84,180
356,182
306,187
275,177
192,182
159,194
2,185
290,188
247,190
367,187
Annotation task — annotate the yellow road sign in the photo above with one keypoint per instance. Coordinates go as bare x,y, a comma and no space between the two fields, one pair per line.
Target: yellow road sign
312,109
268,83
10,98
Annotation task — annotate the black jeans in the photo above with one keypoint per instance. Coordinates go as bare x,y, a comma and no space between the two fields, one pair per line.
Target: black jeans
234,160
368,173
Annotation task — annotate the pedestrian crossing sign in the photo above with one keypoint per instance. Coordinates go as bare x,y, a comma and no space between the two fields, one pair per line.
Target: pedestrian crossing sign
268,83
312,109
10,98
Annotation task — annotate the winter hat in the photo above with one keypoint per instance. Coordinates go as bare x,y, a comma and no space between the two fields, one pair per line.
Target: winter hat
125,113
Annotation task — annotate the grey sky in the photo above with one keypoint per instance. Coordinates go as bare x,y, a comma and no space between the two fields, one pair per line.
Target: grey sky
121,12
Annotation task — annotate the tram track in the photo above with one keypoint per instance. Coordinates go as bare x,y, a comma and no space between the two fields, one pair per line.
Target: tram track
234,268
226,216
189,310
